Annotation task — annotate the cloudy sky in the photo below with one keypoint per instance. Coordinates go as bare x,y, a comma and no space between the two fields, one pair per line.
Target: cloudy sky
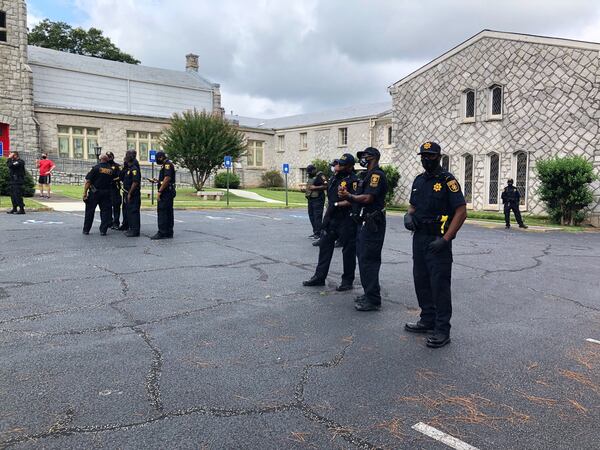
281,57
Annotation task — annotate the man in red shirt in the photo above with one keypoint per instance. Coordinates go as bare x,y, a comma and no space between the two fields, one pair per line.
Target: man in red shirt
46,166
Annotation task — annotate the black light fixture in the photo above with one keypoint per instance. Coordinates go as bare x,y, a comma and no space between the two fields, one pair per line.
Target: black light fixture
97,151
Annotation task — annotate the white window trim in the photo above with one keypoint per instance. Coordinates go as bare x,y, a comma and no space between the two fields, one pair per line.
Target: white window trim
491,116
463,106
303,145
463,176
138,140
281,143
525,205
254,148
341,144
449,161
486,180
71,136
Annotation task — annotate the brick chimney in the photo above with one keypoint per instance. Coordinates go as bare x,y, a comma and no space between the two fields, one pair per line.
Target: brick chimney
191,63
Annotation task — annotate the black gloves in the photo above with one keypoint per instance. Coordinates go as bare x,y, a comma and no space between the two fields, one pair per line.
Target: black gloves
438,245
409,222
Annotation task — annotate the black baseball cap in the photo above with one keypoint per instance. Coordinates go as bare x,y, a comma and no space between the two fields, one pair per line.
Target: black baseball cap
369,151
431,148
335,162
346,160
160,155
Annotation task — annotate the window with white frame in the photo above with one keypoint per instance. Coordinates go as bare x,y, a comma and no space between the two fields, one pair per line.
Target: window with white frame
303,141
445,163
2,26
493,178
281,143
469,104
255,153
142,142
522,163
389,135
77,142
496,101
342,137
468,175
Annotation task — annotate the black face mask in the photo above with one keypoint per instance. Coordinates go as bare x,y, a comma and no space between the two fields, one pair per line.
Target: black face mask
430,164
364,162
510,184
160,161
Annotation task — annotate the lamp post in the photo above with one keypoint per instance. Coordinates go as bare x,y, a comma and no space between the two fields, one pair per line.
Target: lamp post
97,151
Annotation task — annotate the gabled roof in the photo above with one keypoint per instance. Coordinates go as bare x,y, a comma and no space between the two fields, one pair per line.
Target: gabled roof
354,112
530,38
97,66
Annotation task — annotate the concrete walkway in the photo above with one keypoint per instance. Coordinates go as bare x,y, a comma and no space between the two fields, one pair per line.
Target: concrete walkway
60,203
252,196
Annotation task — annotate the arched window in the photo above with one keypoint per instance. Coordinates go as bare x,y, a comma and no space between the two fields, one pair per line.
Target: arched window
468,172
521,175
496,101
493,178
445,162
469,102
2,26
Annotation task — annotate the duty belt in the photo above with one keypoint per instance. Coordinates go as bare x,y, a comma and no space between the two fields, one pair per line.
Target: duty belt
436,226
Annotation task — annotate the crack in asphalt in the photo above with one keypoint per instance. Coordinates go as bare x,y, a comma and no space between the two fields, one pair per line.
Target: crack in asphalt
566,299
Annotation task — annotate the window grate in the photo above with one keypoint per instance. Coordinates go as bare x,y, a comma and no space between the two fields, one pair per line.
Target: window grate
521,179
493,179
497,101
446,162
468,178
470,104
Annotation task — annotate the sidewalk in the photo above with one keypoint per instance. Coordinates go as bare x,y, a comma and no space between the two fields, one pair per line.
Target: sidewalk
252,196
59,203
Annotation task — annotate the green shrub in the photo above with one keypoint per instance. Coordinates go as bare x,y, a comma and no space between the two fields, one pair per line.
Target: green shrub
272,179
565,188
322,166
28,187
393,178
221,180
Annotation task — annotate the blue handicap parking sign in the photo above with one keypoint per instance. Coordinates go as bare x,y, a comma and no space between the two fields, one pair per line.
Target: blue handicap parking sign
228,161
286,168
152,156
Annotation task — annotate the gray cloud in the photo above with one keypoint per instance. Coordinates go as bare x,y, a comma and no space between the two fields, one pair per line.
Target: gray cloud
278,57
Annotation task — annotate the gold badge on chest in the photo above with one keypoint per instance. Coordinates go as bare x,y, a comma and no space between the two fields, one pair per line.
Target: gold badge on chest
437,187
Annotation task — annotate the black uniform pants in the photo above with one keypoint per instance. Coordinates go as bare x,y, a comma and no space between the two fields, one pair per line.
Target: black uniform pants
369,244
16,196
315,213
131,213
514,207
102,199
345,231
166,219
116,200
432,276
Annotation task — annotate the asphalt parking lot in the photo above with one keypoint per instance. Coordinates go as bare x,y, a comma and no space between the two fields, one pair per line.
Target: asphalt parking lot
209,340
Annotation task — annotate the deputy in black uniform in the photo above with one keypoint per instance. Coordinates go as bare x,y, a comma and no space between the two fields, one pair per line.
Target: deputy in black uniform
96,192
115,191
166,195
369,212
16,173
436,213
132,200
338,224
511,199
316,185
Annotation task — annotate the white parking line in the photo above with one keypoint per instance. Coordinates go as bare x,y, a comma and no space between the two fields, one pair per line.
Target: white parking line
593,341
156,215
255,215
442,437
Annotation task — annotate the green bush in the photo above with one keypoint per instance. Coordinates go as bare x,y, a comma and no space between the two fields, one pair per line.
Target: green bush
393,178
221,180
322,166
28,187
565,188
272,179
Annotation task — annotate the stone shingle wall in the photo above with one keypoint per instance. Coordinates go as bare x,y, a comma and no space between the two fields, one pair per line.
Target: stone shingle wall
551,107
16,88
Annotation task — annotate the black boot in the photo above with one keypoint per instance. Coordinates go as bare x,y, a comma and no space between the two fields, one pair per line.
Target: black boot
314,281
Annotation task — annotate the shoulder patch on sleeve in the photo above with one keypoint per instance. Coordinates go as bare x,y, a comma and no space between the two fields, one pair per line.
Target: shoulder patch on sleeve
134,172
167,166
374,180
453,186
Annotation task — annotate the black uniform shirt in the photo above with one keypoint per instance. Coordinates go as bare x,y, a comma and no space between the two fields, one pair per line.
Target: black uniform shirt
348,181
511,195
319,180
101,176
132,175
16,169
435,195
116,167
167,170
375,183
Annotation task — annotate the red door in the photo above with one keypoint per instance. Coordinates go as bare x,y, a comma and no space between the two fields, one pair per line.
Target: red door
4,139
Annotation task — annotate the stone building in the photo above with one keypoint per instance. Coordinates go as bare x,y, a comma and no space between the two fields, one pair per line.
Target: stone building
498,103
300,139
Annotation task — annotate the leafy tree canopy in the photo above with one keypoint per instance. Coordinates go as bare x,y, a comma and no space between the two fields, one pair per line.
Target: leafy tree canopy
61,36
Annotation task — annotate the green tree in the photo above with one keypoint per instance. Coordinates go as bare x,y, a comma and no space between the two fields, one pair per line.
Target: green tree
221,180
199,141
565,188
61,36
393,178
28,186
322,166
